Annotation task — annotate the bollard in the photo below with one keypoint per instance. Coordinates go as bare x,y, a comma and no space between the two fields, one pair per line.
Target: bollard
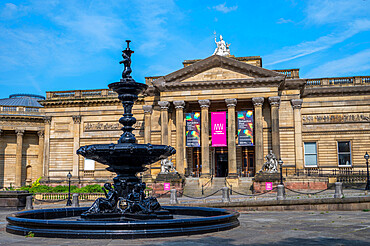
280,192
75,200
338,190
173,199
225,194
29,205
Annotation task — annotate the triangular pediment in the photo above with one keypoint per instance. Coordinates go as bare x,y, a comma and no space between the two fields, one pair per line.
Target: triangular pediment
217,68
217,73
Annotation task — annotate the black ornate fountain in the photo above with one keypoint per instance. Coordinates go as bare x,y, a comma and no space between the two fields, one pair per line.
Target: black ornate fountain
126,158
125,211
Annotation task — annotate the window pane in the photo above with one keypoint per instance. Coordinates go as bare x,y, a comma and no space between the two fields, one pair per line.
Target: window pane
345,159
344,147
310,160
310,148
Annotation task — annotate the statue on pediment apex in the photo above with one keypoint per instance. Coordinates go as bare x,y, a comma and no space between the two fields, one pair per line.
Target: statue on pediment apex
222,48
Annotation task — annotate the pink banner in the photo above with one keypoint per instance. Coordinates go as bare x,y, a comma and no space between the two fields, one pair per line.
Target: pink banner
218,129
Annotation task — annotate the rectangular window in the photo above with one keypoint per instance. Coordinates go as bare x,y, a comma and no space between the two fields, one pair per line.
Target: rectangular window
9,109
89,165
31,109
310,154
344,153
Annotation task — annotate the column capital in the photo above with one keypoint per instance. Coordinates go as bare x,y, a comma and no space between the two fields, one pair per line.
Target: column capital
19,132
231,102
76,119
147,109
296,103
164,105
40,133
179,104
47,119
204,103
258,101
274,101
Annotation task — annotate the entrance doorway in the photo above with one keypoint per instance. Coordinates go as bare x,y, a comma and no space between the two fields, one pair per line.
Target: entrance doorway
221,162
248,169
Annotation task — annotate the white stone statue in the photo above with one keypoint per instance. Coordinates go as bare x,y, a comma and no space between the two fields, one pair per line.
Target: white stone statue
167,166
222,48
270,166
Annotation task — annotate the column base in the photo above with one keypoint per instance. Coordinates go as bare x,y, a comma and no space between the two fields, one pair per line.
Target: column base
205,175
232,176
233,180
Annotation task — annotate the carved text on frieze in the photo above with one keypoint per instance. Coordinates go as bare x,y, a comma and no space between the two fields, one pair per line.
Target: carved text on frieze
335,118
107,126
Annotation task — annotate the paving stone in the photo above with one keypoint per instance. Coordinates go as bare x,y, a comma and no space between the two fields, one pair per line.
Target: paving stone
257,228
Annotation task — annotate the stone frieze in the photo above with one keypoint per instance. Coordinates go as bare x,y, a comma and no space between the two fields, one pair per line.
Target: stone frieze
336,118
107,126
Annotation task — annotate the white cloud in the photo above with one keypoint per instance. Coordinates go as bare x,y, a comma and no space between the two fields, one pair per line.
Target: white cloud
284,21
224,9
309,47
336,11
347,66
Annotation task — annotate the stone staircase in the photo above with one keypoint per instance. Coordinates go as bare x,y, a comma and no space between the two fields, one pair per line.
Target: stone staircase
194,189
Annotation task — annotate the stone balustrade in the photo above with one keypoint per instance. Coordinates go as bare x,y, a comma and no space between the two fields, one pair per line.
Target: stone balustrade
290,73
339,81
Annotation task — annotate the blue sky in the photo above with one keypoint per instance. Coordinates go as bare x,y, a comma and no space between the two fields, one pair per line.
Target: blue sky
69,45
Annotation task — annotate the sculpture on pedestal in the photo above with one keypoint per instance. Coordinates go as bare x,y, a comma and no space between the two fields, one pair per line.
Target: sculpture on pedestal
167,166
222,48
270,166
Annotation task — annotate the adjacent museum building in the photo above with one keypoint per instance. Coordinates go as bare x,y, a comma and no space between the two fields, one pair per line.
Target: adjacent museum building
223,114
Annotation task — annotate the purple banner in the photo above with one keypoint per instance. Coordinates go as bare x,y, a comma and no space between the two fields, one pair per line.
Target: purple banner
218,129
245,128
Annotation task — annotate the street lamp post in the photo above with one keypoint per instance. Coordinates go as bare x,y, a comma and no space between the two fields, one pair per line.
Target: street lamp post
281,171
366,156
69,176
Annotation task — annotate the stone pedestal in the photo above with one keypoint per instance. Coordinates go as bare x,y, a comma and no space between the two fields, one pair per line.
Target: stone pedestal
169,177
260,180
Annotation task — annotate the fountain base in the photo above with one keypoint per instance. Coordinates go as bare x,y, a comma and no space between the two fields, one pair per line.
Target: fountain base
67,223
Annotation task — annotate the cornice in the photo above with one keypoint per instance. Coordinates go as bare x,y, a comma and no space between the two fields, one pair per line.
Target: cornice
22,117
222,84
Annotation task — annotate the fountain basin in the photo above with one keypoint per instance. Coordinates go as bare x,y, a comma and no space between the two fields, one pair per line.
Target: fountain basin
126,157
66,223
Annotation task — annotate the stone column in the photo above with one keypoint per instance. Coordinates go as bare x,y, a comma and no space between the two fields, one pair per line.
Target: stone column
47,121
164,121
148,109
275,127
147,123
258,131
76,145
231,144
297,105
180,147
204,140
18,159
40,157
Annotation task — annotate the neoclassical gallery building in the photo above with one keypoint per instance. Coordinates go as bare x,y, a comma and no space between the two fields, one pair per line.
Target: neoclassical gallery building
223,114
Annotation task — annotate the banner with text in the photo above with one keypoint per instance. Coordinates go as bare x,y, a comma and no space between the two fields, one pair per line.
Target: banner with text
245,128
192,130
218,129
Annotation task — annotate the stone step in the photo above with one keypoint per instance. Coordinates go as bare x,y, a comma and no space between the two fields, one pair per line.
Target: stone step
192,187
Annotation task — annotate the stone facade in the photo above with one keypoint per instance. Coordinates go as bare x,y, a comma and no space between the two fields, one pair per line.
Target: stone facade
290,114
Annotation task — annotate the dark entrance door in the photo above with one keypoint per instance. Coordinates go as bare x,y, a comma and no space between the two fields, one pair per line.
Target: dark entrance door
221,162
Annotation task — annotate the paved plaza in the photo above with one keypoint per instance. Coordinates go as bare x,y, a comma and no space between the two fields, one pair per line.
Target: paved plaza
256,228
